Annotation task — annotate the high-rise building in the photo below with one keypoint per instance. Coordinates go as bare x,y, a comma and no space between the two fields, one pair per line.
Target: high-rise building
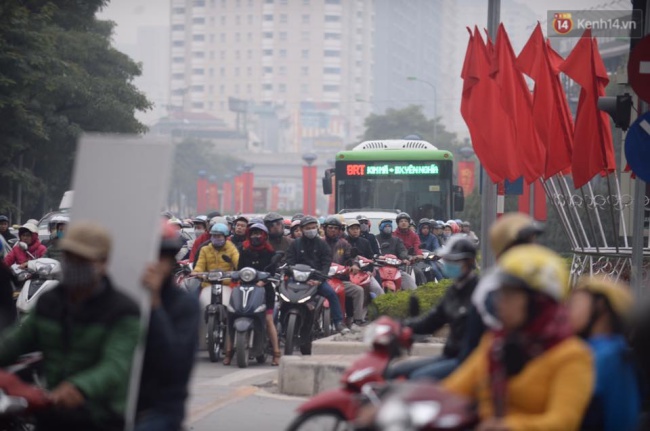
308,60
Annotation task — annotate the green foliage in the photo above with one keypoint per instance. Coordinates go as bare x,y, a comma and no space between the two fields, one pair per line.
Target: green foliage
397,304
398,123
59,77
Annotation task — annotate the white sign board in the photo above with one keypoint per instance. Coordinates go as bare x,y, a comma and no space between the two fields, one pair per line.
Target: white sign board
121,182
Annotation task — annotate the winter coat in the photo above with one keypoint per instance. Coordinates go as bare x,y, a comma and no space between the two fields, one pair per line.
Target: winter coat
281,243
341,250
19,256
211,259
429,242
411,241
198,243
313,252
392,245
372,239
362,245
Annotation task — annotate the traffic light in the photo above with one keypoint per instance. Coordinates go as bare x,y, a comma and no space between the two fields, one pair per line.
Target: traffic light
619,108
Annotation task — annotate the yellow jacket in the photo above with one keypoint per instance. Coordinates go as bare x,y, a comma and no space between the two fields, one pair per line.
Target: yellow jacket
211,259
551,393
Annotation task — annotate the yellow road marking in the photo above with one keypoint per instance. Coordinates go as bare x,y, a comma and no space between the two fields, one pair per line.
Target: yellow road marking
203,411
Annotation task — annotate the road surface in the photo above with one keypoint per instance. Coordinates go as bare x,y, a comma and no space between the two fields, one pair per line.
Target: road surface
230,398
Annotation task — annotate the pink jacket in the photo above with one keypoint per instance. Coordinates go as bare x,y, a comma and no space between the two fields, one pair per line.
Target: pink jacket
18,256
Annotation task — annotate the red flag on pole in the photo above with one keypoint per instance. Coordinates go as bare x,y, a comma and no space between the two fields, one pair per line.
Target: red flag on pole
540,213
517,103
594,151
201,193
227,197
491,129
550,109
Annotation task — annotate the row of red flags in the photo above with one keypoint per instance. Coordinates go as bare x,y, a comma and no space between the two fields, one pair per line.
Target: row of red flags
516,133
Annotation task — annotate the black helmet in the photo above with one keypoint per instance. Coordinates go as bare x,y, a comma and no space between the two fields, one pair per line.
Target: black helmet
4,218
424,221
170,243
401,216
459,247
272,218
361,217
213,214
255,220
333,221
308,220
298,216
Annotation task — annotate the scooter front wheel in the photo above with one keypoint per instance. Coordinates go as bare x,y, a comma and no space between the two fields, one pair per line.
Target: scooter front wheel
214,336
242,348
320,420
290,335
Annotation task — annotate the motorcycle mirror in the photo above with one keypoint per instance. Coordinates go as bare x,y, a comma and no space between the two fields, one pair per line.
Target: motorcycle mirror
23,246
414,306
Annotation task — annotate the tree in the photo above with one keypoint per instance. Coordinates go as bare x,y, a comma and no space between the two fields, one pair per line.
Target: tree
398,123
59,77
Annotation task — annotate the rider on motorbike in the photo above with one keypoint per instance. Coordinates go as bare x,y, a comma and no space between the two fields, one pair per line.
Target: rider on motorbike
204,239
428,241
200,226
257,253
530,373
239,232
60,225
341,250
294,230
28,233
389,244
312,250
363,247
364,225
459,257
411,241
5,236
600,310
275,224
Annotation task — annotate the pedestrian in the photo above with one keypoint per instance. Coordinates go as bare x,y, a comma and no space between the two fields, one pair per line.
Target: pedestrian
87,331
53,250
28,234
171,343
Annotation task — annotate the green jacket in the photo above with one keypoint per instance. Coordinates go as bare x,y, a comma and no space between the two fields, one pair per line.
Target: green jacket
90,345
53,250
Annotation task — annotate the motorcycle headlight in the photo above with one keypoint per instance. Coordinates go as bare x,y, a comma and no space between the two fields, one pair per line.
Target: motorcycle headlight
214,276
393,415
303,300
300,276
284,298
216,289
247,275
423,412
260,309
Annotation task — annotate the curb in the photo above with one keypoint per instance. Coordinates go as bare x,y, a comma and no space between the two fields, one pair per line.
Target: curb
327,346
308,375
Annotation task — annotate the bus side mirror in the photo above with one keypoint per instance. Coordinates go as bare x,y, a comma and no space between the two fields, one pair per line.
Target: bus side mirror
327,181
459,198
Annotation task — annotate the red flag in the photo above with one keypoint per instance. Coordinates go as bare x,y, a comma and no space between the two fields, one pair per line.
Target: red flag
523,203
490,127
540,213
518,104
550,109
594,151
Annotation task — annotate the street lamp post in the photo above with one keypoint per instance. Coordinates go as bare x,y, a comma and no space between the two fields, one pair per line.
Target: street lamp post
435,104
309,184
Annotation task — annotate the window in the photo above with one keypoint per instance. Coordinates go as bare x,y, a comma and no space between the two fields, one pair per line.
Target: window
198,20
178,43
178,76
236,55
222,37
198,71
282,88
210,106
198,88
267,69
249,88
332,18
283,2
305,54
178,27
237,20
283,18
198,54
267,87
267,35
304,36
332,36
332,1
223,20
268,1
267,52
330,88
249,54
250,19
359,47
250,3
249,37
237,37
283,53
178,92
359,14
305,2
304,88
212,56
222,89
332,53
304,71
222,71
222,105
268,17
211,72
178,60
249,71
237,71
198,3
212,37
282,70
332,70
238,3
236,88
222,55
305,19
178,10
197,105
283,35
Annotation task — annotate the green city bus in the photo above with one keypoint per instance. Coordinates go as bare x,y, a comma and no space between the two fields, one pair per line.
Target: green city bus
387,175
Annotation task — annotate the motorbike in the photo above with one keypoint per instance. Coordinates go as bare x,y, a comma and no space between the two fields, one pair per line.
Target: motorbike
388,339
299,306
182,270
390,272
19,399
246,316
337,274
41,276
428,258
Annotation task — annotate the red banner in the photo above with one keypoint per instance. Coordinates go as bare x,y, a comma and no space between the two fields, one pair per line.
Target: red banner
213,195
227,197
201,194
540,213
248,195
239,193
309,190
466,173
275,197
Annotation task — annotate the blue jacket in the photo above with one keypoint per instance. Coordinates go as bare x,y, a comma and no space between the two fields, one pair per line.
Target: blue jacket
616,403
429,242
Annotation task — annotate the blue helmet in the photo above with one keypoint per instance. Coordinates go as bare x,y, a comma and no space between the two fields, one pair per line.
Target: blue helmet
220,228
385,222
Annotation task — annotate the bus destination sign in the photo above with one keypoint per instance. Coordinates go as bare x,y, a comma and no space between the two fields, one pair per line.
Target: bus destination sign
365,170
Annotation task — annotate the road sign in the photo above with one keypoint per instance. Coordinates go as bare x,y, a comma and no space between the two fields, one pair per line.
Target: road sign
638,69
637,147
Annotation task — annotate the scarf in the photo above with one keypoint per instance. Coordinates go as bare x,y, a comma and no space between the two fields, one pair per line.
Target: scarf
265,245
510,352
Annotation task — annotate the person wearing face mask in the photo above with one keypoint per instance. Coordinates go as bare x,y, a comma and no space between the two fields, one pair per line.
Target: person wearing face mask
200,225
274,222
364,226
5,236
529,373
87,331
211,256
459,260
312,250
53,249
204,239
257,253
240,224
446,233
295,231
389,244
28,233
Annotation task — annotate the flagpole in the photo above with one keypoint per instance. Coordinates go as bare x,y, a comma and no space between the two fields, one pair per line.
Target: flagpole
488,188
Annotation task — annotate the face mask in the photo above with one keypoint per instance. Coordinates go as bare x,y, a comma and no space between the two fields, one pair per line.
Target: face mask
388,230
453,270
77,275
446,235
218,242
310,233
256,241
365,228
199,232
59,234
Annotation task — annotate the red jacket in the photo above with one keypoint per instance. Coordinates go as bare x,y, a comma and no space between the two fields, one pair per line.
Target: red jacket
410,239
205,236
18,256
